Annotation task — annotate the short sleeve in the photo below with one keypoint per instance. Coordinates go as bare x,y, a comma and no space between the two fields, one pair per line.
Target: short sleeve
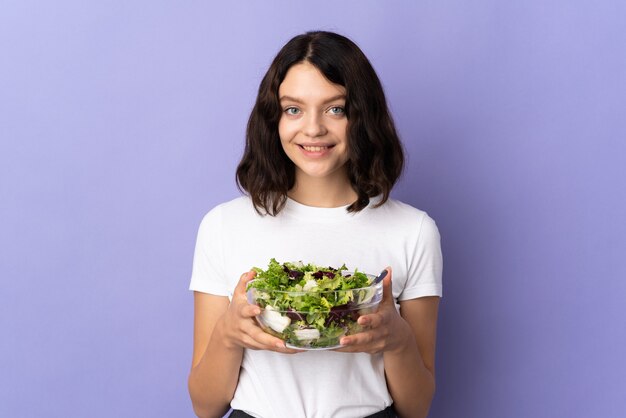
426,263
208,273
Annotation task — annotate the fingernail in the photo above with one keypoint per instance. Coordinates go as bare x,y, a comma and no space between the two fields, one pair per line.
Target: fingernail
344,341
280,345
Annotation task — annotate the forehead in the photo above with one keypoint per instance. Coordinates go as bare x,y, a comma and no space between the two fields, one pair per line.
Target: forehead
305,82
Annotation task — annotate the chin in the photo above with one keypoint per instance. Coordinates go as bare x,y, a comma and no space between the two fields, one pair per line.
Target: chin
320,173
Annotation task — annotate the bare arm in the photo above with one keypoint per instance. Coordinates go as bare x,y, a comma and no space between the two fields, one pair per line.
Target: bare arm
221,331
410,370
407,341
215,368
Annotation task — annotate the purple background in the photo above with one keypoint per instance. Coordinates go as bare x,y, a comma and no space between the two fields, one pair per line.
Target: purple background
121,124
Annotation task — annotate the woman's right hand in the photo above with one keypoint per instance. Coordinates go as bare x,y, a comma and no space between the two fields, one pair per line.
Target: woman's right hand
240,327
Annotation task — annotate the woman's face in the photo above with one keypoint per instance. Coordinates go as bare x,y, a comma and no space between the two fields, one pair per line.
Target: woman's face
313,125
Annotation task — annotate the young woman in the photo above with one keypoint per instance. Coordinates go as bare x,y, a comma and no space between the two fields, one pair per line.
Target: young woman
321,157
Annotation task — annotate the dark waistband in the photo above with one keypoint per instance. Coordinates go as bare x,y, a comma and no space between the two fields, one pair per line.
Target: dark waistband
385,413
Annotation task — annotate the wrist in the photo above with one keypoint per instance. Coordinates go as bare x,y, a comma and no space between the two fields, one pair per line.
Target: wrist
405,341
224,338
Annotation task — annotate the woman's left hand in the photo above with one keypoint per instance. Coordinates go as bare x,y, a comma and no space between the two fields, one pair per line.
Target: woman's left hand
384,330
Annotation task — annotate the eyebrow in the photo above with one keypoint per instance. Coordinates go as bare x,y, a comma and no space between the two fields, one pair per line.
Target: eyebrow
330,99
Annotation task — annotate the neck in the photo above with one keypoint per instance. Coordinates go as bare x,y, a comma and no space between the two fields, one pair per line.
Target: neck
323,192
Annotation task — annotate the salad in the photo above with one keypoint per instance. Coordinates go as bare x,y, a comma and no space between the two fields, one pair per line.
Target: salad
309,306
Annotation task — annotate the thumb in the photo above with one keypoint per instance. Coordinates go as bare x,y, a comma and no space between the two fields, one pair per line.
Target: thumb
387,288
243,282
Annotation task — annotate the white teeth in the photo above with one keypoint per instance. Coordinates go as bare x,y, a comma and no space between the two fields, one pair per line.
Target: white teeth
314,149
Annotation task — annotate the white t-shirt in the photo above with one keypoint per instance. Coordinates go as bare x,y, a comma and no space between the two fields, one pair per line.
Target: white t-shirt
233,238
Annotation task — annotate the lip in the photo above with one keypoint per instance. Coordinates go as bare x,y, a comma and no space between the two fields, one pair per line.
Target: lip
316,144
326,148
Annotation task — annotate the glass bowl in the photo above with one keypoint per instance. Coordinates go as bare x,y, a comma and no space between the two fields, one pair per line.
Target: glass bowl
314,320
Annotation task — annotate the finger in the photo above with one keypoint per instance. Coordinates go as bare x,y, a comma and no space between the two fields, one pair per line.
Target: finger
362,338
269,342
366,342
243,281
370,349
286,350
370,321
250,343
258,338
346,349
249,311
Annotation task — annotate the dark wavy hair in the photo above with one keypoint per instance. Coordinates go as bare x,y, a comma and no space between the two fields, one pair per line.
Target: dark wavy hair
375,155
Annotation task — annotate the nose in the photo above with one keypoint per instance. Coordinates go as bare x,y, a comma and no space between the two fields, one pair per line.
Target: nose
313,125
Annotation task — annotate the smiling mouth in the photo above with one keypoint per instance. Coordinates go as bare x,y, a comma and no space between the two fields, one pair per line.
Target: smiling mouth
315,148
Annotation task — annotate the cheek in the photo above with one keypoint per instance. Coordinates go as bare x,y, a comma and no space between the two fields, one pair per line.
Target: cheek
341,130
287,133
283,131
343,135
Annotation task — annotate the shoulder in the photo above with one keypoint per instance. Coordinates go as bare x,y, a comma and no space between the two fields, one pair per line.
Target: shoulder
406,220
241,203
238,205
400,208
404,215
232,209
